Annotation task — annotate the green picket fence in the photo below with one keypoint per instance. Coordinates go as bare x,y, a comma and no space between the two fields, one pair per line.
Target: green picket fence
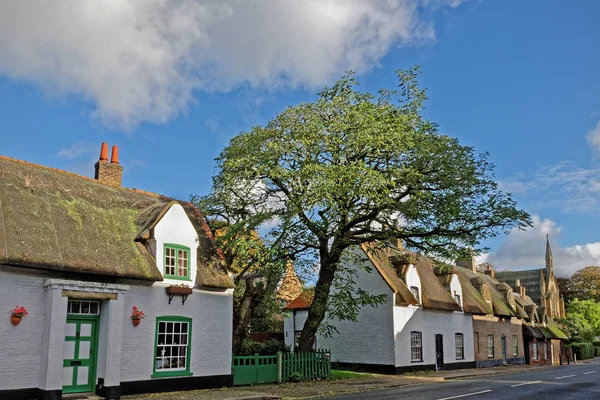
312,365
251,370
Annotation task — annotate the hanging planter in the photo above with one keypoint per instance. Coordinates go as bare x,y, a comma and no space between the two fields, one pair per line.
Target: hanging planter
17,314
136,316
181,290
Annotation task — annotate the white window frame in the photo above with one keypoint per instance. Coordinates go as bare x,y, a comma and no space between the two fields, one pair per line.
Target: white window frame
83,307
459,344
490,349
416,346
545,350
535,351
515,345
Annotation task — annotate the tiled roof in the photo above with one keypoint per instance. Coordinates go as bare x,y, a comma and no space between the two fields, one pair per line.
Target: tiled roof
56,220
303,301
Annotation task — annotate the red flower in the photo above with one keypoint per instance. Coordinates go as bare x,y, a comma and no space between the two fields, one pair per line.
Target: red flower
136,313
19,311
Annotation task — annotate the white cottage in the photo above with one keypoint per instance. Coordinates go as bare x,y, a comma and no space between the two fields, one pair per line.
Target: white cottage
79,254
421,325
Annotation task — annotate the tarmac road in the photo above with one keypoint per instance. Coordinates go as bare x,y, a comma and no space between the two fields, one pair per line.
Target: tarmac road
566,382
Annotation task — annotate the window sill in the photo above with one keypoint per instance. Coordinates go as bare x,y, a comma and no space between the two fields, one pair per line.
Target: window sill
177,278
416,361
460,358
170,374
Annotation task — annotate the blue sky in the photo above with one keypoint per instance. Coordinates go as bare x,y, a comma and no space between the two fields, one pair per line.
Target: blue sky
515,79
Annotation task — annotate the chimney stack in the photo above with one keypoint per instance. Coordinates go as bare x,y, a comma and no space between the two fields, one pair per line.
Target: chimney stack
519,289
468,264
109,173
490,271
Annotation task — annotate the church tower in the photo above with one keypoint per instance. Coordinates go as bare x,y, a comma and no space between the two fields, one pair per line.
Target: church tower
549,261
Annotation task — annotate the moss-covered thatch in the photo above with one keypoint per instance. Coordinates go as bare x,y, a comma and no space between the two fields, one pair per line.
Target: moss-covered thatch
473,300
500,303
56,220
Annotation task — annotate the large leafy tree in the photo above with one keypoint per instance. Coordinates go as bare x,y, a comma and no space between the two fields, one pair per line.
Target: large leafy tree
353,167
584,284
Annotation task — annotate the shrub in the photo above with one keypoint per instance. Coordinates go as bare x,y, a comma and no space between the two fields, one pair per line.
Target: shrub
272,346
583,351
596,351
596,343
296,376
267,348
575,340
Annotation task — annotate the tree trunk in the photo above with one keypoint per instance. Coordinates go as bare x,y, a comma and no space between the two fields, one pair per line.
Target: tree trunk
241,316
318,309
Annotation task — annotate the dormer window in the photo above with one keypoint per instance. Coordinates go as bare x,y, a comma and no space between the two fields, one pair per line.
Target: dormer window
415,292
177,262
457,299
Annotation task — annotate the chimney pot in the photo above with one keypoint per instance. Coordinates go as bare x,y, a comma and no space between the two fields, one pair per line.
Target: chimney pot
104,152
114,156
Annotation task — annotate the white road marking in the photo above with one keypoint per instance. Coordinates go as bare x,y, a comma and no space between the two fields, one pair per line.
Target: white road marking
591,372
465,395
525,383
566,376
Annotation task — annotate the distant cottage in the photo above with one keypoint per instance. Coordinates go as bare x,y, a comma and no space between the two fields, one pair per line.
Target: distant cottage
434,318
79,254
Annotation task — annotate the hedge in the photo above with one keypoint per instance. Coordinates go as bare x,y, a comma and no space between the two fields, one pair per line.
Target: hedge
596,351
583,351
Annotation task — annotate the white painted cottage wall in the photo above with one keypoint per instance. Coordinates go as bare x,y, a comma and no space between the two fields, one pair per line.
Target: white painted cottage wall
212,316
369,340
430,323
21,345
288,326
176,228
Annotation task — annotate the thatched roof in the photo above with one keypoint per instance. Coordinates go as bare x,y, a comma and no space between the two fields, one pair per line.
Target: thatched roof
500,303
433,292
380,258
56,220
473,299
290,286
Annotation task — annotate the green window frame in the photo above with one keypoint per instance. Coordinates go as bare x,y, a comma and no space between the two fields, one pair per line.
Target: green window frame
176,262
172,347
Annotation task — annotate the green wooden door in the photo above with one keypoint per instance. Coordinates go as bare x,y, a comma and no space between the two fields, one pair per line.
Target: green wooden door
80,355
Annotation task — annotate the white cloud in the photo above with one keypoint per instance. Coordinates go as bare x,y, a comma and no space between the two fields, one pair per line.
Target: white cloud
77,150
141,60
527,249
565,186
593,137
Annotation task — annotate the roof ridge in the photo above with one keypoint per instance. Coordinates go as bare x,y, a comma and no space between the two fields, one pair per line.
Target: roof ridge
141,191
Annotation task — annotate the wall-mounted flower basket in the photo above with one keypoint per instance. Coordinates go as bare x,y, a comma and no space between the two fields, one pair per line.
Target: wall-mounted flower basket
136,315
183,291
17,314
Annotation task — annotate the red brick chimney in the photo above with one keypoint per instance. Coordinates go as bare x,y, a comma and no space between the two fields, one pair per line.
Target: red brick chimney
490,271
109,173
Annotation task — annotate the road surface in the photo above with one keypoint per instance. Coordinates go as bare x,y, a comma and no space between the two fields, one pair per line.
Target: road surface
566,382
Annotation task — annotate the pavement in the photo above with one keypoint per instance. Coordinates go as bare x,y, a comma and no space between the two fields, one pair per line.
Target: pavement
555,383
422,385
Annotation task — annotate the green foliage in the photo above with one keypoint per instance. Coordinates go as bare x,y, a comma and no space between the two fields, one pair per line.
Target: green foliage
296,376
267,348
345,169
583,351
596,351
585,315
584,284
